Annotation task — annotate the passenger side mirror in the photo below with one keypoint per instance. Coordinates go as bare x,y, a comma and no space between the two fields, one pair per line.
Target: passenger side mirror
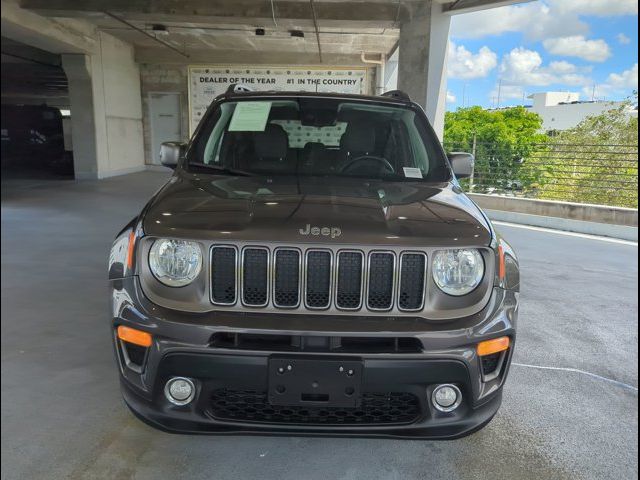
462,164
171,153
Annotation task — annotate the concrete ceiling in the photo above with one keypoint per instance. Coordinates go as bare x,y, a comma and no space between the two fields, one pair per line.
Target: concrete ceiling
197,30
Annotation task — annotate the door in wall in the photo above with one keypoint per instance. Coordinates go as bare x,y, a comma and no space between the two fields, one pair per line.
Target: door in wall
164,111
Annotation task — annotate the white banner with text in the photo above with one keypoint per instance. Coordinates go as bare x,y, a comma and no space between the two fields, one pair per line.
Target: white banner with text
207,82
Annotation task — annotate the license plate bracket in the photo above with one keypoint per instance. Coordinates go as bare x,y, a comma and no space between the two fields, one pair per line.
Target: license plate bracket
315,382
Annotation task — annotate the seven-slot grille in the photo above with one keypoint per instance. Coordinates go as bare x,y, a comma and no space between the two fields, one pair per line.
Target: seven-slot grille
318,278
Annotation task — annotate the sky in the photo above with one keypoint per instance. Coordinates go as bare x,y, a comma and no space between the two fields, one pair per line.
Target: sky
498,57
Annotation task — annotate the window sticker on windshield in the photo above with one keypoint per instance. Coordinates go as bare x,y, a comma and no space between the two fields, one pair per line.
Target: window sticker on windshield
250,117
411,172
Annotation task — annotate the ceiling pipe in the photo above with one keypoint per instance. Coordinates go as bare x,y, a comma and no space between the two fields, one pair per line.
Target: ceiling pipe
380,75
315,24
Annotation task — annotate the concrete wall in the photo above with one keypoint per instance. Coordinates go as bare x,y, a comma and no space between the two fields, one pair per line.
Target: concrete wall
599,220
568,210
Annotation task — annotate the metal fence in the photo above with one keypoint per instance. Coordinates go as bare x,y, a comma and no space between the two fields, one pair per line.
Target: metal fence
600,173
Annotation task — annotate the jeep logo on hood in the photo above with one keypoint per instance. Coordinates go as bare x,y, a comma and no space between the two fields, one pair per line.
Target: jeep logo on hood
333,232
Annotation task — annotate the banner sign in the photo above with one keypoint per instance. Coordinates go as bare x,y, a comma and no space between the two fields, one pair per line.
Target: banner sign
207,82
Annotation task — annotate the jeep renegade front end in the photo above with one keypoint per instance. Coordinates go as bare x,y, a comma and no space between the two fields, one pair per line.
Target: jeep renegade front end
313,267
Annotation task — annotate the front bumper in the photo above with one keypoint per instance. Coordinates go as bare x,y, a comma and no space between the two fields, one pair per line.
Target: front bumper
232,381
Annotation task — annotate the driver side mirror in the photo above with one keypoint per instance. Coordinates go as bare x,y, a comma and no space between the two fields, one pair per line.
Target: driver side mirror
462,164
171,153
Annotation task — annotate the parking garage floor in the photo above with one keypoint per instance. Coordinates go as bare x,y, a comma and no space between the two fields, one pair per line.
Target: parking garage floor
62,416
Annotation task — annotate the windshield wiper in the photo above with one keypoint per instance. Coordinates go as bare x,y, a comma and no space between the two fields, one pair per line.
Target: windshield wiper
221,170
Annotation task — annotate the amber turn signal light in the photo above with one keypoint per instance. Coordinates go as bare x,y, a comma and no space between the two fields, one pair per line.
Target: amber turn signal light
131,249
131,335
496,345
502,271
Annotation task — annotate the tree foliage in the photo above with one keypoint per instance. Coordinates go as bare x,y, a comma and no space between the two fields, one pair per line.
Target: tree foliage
595,162
503,140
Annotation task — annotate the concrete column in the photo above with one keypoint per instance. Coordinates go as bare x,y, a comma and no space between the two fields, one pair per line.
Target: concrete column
106,110
424,40
83,128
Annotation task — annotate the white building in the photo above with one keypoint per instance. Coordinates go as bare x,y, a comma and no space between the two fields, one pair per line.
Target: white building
565,110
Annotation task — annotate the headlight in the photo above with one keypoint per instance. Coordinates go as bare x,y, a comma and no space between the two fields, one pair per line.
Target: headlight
175,263
458,272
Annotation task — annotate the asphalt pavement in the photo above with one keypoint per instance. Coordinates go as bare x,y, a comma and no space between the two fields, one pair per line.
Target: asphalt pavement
570,408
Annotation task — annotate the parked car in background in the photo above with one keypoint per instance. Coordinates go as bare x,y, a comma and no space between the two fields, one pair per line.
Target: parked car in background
32,138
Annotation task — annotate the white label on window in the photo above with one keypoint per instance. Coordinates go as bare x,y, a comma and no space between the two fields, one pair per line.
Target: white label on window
250,117
411,172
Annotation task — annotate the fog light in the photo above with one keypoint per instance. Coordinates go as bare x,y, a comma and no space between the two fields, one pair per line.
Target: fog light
446,398
179,390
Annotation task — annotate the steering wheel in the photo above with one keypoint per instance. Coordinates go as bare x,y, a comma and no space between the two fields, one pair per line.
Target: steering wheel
371,159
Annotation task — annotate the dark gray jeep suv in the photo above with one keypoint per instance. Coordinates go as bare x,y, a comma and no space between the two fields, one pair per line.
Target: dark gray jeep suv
313,267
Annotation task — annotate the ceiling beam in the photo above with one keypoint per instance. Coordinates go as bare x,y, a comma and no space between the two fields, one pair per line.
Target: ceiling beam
232,11
59,36
28,53
155,55
466,6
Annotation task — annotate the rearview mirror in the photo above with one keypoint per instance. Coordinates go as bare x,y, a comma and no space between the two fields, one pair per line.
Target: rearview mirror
462,164
171,153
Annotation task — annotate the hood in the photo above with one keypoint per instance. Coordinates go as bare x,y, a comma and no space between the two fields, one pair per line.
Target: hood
315,210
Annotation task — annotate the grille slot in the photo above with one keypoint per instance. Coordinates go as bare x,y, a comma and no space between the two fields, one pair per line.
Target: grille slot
223,275
255,276
381,280
412,278
349,280
286,289
396,408
318,279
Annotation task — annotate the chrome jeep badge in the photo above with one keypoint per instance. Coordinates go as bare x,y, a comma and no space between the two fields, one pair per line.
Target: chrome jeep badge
333,232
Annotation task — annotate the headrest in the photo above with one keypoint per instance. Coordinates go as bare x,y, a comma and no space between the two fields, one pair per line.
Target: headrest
359,137
272,143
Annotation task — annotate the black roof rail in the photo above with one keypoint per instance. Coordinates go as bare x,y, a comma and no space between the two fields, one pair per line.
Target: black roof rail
238,88
399,94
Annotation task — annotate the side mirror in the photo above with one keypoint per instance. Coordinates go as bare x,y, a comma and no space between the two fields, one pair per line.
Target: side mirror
171,153
462,164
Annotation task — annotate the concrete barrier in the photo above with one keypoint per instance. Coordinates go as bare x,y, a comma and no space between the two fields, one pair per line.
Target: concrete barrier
602,220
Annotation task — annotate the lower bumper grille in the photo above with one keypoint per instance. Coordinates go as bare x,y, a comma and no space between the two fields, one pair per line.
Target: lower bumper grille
375,409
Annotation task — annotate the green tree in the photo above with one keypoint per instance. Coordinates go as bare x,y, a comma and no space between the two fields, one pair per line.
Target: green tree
595,162
503,139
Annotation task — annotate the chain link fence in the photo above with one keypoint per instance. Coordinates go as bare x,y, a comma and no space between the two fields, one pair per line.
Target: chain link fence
599,174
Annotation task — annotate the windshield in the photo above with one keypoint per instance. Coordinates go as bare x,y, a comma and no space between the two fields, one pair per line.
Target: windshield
319,137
